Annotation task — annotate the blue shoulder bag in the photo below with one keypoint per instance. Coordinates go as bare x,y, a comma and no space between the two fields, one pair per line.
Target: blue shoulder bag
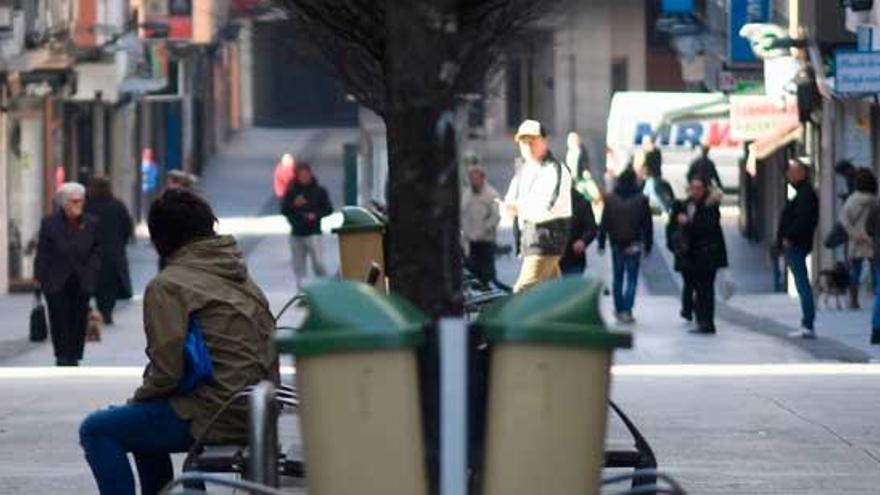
197,365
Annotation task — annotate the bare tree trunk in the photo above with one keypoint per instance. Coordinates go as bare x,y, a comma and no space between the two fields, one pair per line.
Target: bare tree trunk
423,192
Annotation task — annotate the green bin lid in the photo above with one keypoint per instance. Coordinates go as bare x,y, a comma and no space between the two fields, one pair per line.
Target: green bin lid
357,219
561,312
350,316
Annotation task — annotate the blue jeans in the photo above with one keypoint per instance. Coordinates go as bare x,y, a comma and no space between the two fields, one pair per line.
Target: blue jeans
149,430
626,278
796,259
855,271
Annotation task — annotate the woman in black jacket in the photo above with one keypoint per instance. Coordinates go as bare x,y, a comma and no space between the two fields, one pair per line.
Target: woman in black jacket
704,251
67,264
116,227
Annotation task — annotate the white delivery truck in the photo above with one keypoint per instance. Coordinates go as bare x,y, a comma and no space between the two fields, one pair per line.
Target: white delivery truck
677,123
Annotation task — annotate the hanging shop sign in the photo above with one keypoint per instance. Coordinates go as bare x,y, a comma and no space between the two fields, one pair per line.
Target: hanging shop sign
742,12
857,73
754,116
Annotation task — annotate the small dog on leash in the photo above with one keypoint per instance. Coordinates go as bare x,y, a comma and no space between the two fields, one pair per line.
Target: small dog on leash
94,326
833,282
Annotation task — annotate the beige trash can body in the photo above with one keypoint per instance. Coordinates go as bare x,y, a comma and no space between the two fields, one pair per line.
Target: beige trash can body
549,377
358,383
371,401
361,243
547,418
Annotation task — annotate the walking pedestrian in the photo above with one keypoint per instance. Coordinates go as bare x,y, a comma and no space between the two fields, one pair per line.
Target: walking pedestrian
539,198
285,171
479,222
116,230
626,221
583,232
202,304
304,205
704,168
705,252
677,243
578,161
67,264
656,188
797,227
853,217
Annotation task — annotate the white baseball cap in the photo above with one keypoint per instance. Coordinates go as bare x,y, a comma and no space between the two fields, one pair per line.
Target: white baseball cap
530,128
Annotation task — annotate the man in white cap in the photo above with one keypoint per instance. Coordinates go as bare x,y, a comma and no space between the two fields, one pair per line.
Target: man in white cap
539,197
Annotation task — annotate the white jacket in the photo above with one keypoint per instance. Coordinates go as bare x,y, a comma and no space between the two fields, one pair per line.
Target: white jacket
479,214
853,217
532,189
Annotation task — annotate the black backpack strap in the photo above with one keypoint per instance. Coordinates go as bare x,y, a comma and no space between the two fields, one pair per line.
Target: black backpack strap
559,166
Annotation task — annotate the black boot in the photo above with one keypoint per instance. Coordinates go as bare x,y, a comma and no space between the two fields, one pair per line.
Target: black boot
875,336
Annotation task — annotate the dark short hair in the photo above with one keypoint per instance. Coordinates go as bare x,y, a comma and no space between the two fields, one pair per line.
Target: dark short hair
628,178
865,181
304,165
99,187
843,167
178,217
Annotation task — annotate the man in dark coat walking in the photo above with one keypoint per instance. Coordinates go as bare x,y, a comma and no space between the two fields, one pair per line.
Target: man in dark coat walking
626,221
304,205
116,231
702,251
797,227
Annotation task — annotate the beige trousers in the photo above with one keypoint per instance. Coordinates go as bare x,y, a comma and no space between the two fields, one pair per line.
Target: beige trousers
536,269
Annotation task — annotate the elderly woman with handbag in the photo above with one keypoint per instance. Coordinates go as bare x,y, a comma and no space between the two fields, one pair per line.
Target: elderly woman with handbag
67,263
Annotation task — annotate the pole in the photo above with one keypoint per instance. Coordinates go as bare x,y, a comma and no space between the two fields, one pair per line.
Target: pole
453,408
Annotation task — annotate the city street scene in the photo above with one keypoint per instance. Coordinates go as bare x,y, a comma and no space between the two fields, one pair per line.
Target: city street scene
416,247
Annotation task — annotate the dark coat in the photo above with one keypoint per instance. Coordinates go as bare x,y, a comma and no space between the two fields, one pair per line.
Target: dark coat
627,219
317,203
676,236
706,248
583,227
799,219
116,230
64,252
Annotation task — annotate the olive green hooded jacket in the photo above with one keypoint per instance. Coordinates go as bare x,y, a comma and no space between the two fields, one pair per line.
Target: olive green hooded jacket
207,278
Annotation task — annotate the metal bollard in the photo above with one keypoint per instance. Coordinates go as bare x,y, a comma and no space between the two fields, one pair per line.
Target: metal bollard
263,435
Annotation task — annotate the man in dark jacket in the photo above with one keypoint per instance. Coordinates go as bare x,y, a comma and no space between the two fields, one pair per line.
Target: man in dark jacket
703,167
116,230
626,220
702,251
304,205
797,227
583,232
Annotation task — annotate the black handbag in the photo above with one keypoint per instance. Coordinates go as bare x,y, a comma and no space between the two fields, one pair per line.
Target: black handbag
836,237
39,329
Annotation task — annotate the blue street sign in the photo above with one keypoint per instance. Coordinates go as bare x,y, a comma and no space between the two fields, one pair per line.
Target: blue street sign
856,73
743,12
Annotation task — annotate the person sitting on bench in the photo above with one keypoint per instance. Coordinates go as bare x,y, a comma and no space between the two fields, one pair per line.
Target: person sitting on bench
209,334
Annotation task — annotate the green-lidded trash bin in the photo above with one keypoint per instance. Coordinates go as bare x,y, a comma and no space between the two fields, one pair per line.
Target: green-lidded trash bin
361,243
357,377
549,375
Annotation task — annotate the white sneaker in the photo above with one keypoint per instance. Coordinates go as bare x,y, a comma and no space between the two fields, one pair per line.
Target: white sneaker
803,334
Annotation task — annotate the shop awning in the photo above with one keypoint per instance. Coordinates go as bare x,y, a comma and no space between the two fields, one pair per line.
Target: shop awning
773,142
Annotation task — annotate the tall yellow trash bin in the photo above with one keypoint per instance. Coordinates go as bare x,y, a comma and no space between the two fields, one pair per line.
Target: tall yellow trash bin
357,377
548,390
361,243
